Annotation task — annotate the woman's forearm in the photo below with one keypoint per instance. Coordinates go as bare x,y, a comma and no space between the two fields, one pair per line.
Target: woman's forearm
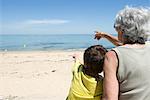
112,39
109,37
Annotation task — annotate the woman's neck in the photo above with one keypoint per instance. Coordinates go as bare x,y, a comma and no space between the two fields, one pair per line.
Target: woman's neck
135,45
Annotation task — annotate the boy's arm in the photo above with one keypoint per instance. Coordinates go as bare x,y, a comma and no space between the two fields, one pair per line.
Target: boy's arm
77,63
76,58
111,38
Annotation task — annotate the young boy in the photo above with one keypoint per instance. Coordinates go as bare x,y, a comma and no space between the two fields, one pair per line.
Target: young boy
87,83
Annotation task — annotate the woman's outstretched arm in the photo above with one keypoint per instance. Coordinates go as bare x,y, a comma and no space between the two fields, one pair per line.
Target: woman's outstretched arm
109,37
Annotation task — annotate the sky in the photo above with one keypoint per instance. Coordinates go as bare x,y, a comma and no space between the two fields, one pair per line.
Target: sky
61,16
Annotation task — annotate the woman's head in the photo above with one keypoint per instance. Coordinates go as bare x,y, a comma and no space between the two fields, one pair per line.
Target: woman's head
133,24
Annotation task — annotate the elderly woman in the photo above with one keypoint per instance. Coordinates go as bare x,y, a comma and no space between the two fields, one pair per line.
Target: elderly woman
127,67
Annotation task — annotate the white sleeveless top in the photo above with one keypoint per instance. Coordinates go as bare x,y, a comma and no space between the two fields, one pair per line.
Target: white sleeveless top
133,72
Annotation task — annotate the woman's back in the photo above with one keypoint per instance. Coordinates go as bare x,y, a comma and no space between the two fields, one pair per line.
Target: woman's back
133,73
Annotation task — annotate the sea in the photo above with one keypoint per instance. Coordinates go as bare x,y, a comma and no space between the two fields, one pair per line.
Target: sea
49,42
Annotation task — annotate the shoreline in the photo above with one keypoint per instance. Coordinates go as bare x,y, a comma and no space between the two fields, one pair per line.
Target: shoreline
52,50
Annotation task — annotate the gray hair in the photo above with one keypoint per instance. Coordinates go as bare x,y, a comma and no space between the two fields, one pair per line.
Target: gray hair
134,23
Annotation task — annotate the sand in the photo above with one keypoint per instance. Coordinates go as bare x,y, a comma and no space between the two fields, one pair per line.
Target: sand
36,75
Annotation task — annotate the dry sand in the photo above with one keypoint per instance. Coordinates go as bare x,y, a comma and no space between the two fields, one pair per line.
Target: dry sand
35,75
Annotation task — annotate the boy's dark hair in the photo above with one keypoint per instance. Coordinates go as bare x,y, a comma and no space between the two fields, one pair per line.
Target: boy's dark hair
94,59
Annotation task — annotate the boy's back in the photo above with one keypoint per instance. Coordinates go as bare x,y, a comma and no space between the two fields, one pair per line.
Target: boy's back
84,86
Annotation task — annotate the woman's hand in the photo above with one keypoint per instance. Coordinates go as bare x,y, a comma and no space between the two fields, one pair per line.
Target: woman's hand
99,35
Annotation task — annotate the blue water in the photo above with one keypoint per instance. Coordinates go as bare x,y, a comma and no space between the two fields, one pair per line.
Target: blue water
49,42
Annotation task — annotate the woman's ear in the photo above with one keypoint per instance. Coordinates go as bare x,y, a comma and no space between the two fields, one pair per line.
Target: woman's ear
120,35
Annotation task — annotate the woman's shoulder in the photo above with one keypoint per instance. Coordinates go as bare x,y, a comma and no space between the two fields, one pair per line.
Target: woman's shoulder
133,46
147,42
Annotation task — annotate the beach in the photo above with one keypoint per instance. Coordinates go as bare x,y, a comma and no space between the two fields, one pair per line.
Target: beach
38,67
36,75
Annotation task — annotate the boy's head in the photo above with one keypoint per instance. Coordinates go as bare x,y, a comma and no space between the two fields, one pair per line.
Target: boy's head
94,59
